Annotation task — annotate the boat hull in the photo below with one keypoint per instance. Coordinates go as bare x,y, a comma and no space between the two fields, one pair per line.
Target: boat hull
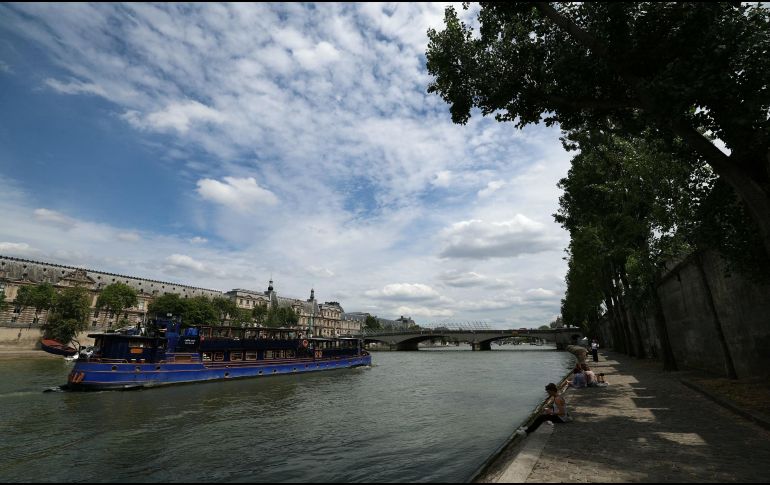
100,376
57,348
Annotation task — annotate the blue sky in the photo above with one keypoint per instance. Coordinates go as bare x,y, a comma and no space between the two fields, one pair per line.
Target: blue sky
217,145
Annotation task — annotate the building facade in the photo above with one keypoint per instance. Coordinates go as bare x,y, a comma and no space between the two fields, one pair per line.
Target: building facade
323,319
319,319
16,273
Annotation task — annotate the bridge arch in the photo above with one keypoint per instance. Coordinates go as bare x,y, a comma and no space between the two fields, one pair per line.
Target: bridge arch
479,339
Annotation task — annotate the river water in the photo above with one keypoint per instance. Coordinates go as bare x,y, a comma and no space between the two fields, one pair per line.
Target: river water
433,415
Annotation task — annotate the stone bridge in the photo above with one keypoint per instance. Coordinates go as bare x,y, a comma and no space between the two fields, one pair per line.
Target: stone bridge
479,339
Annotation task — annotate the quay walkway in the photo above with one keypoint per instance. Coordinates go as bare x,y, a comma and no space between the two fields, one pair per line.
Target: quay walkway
646,426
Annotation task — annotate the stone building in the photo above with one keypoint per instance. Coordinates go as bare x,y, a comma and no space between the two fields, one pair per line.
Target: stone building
322,319
325,319
15,273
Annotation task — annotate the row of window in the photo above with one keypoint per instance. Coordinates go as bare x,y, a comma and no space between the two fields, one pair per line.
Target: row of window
239,356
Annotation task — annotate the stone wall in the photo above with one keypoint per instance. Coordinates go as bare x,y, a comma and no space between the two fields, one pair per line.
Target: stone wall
741,306
29,339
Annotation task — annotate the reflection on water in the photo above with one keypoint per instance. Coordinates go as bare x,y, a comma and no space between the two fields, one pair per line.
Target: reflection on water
431,415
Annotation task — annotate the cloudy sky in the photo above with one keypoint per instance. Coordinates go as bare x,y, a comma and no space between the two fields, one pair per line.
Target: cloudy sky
217,145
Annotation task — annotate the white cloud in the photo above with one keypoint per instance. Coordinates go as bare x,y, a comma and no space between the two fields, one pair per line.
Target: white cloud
129,236
198,240
479,239
179,116
321,55
491,188
53,217
540,293
17,249
404,291
462,279
243,195
427,312
185,262
442,178
320,272
75,87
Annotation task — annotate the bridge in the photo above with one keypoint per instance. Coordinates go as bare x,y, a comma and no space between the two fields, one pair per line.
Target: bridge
479,338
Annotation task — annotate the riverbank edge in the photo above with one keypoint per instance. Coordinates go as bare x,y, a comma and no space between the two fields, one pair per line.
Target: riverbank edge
498,456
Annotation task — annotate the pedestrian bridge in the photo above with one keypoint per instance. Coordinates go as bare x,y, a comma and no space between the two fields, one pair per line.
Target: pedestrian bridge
480,339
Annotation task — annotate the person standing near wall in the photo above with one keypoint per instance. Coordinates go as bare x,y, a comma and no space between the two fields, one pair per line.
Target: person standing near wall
595,350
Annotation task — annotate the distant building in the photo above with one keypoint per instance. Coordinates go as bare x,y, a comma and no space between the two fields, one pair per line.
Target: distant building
15,273
327,319
400,323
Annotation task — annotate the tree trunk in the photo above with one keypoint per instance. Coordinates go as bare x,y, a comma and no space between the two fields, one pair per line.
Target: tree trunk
623,319
669,361
634,324
615,328
729,365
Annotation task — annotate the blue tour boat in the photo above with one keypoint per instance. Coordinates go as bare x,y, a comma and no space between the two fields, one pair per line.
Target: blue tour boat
169,354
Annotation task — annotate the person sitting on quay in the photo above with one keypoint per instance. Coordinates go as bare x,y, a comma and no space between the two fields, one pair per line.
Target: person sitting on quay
591,380
579,378
601,381
556,413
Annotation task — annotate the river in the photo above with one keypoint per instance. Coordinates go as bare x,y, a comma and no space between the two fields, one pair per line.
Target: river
433,415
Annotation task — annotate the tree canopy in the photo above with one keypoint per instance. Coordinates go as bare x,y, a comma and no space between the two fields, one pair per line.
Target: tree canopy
69,314
685,70
116,298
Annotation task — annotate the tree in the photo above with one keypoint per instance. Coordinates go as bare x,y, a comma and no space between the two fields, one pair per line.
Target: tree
43,297
40,297
3,303
260,314
169,303
198,310
69,315
685,70
24,297
282,317
225,307
240,317
116,298
622,205
371,323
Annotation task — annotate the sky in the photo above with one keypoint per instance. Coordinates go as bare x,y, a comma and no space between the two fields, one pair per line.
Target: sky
220,145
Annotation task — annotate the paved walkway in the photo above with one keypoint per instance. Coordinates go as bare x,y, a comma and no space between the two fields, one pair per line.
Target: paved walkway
646,426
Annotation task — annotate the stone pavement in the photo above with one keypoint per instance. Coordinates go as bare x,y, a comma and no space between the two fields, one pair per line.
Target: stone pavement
646,426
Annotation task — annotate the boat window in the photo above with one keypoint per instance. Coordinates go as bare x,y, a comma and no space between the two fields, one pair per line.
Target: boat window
219,356
251,356
250,334
206,356
236,356
138,344
270,354
206,331
220,332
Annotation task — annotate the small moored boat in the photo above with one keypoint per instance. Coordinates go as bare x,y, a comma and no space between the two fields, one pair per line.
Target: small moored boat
55,347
